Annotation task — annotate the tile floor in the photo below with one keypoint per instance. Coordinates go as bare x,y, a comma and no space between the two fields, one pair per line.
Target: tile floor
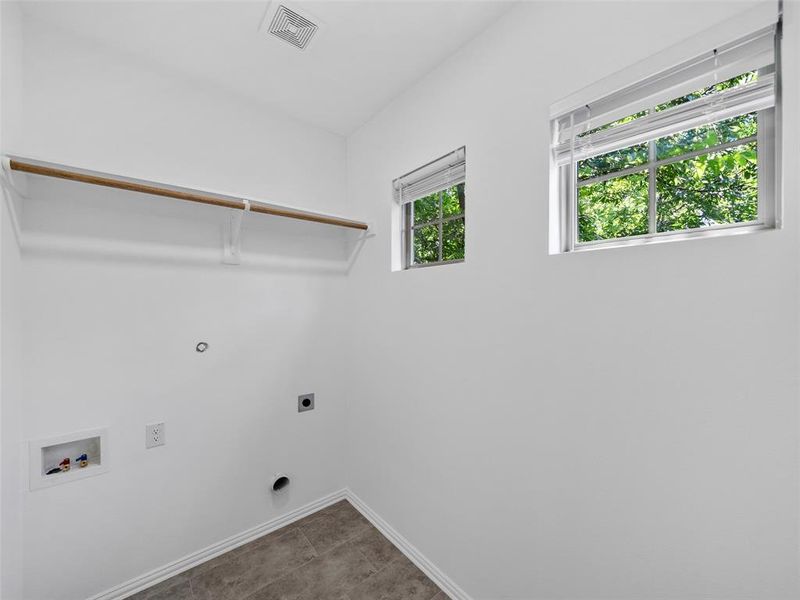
334,554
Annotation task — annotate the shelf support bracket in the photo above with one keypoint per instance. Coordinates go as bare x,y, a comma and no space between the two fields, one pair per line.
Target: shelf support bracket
358,244
9,191
232,253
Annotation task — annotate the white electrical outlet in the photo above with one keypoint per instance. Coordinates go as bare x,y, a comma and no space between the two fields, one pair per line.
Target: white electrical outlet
155,435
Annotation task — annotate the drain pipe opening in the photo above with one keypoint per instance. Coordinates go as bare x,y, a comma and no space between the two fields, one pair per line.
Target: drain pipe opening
279,483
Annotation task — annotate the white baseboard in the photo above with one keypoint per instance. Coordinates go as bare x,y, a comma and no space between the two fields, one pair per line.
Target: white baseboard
414,555
137,584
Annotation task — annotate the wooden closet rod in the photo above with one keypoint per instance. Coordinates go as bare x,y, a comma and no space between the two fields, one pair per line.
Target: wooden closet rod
190,196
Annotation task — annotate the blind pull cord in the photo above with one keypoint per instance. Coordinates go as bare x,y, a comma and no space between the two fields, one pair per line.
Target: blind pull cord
573,171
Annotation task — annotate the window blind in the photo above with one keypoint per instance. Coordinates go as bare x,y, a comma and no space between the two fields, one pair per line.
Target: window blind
751,97
442,173
753,52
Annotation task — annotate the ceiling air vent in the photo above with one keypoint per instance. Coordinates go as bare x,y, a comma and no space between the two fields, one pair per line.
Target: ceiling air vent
292,27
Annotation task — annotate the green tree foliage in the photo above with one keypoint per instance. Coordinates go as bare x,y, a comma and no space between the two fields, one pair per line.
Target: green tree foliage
704,189
711,189
426,244
613,208
708,136
426,209
453,236
612,162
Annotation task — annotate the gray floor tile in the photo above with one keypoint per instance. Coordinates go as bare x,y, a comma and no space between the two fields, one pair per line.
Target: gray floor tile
219,582
378,550
248,571
399,580
329,576
265,539
334,527
209,564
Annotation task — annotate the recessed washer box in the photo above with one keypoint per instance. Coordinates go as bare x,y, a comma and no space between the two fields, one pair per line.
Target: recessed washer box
47,458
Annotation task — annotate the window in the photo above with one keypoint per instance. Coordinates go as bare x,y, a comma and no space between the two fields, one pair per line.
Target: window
433,202
682,153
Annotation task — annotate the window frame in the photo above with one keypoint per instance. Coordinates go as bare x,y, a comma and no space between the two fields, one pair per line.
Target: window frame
766,142
409,226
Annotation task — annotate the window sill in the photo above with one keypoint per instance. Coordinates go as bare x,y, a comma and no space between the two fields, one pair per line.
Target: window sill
677,236
433,264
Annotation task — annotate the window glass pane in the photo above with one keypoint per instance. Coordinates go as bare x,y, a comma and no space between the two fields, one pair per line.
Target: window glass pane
453,200
742,79
426,209
426,244
616,123
612,162
711,189
707,136
613,208
453,240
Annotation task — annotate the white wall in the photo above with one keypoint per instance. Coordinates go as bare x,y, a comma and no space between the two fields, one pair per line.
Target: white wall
10,324
11,411
109,335
610,424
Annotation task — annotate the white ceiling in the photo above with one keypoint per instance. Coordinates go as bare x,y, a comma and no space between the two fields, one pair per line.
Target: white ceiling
367,53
